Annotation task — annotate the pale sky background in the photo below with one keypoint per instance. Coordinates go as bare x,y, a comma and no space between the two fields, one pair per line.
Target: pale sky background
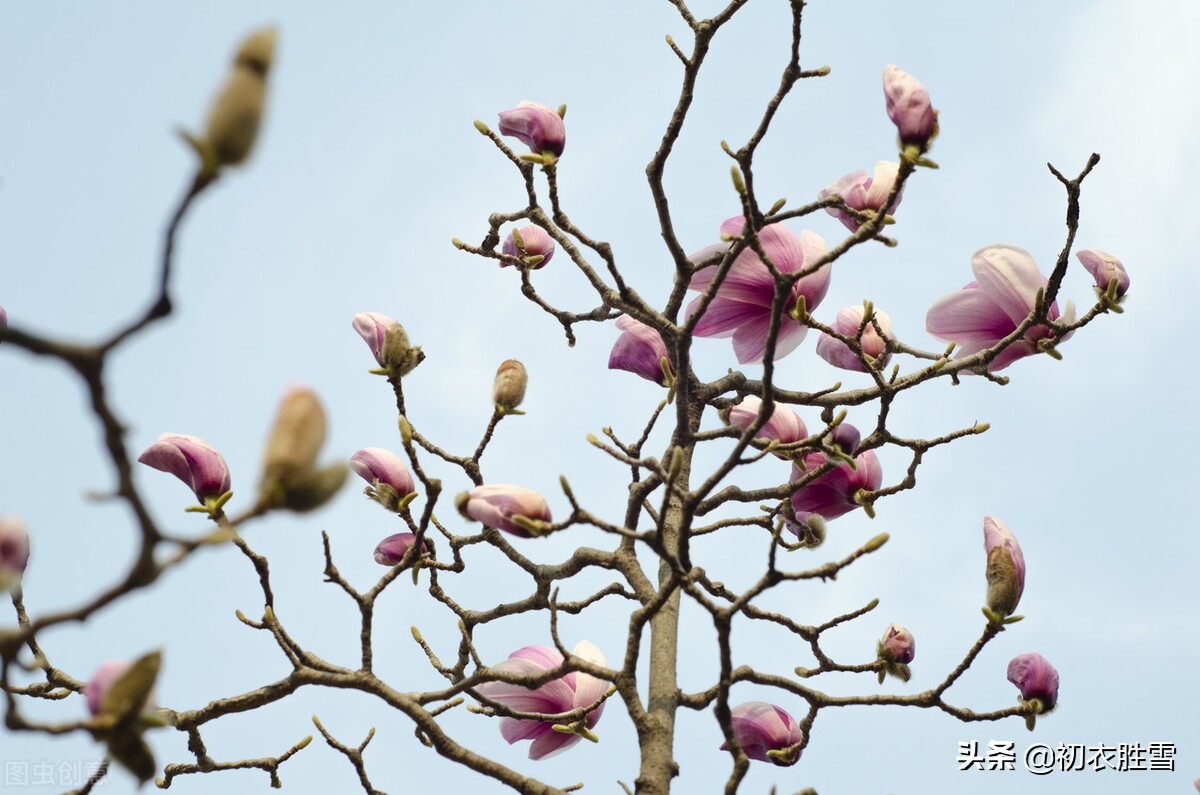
367,167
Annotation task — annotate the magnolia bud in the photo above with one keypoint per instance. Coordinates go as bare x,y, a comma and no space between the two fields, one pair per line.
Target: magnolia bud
508,390
237,113
1005,567
766,733
14,552
290,477
1036,678
398,355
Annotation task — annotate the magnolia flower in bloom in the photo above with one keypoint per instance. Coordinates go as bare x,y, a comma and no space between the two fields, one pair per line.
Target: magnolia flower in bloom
784,425
898,644
537,126
639,350
503,507
390,551
1036,678
1104,268
388,478
909,109
192,460
847,323
1005,567
742,306
766,733
834,494
14,552
863,193
534,240
989,309
372,327
574,690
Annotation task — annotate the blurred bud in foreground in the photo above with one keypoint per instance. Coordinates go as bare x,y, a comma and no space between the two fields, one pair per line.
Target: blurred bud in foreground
909,108
508,390
1104,268
766,733
863,193
537,126
120,696
390,483
534,242
14,552
513,509
290,477
189,458
874,345
1005,567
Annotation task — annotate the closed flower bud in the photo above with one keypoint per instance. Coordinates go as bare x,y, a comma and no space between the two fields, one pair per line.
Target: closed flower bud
508,390
863,193
388,478
874,345
909,108
783,426
291,478
192,460
513,509
372,327
897,645
766,733
237,113
400,356
1036,678
1104,268
844,438
535,242
14,552
1005,567
537,126
392,549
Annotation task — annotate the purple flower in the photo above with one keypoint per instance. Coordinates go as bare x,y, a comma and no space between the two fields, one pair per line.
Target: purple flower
908,107
845,437
847,323
502,507
372,327
834,494
1104,268
863,193
899,644
573,690
536,242
390,550
742,306
784,425
989,309
389,480
1036,678
766,733
639,350
190,459
102,680
537,126
1005,566
14,552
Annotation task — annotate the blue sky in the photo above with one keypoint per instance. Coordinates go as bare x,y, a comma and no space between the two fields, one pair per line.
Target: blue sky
369,165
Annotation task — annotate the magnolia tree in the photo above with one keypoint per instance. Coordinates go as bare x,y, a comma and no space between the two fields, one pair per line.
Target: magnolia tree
735,455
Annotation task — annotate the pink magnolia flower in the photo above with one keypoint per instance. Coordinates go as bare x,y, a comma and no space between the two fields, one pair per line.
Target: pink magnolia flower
847,324
498,506
14,552
1104,268
372,327
1036,678
639,350
989,309
766,733
845,437
377,465
909,108
862,192
102,680
833,494
573,690
742,306
784,425
390,551
535,240
537,126
1005,566
899,644
192,460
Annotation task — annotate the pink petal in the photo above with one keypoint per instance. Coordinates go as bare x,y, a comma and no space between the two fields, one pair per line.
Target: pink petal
1010,276
723,316
551,744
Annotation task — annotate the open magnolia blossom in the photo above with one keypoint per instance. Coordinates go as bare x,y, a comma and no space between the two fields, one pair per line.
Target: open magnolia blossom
990,308
192,460
766,733
574,690
742,306
783,426
835,493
